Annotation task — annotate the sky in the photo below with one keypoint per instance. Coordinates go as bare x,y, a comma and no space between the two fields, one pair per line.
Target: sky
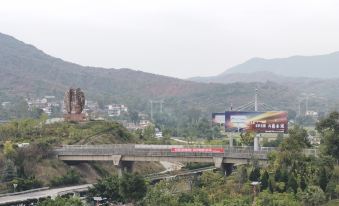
179,38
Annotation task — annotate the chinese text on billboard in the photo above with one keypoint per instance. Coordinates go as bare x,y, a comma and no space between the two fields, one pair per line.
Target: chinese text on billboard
260,122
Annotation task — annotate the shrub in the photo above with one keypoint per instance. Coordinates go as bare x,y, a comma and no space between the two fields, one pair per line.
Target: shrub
71,178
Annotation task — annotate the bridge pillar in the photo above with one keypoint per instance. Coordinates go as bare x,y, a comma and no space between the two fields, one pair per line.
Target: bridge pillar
218,161
125,166
116,159
256,142
226,168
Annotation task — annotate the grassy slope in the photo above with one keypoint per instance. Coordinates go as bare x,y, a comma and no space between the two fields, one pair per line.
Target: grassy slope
84,133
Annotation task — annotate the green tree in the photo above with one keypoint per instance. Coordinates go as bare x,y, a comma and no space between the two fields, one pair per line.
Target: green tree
312,196
241,175
276,199
337,190
70,178
27,183
236,201
8,149
329,130
296,141
292,183
9,172
255,174
149,132
270,185
211,179
330,189
132,187
60,201
303,184
247,138
264,180
323,180
162,194
277,175
107,187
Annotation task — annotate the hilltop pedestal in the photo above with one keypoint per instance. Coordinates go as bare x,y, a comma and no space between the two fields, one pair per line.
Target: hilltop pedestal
75,117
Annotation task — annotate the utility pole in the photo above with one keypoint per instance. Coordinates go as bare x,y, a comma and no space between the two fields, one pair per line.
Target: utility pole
256,138
256,100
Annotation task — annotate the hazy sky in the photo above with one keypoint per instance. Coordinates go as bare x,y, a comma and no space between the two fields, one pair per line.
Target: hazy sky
180,38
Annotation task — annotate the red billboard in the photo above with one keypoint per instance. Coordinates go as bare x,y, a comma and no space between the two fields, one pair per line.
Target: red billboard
260,122
198,150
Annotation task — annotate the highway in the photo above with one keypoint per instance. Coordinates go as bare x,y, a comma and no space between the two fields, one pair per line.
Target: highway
12,199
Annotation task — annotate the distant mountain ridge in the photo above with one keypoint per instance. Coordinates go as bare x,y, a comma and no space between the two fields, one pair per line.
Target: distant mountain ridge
260,70
320,66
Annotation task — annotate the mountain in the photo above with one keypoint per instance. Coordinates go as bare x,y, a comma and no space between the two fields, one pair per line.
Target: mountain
316,75
27,71
320,66
279,70
260,76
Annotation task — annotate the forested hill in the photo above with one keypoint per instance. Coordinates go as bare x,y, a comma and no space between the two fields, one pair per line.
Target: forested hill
27,71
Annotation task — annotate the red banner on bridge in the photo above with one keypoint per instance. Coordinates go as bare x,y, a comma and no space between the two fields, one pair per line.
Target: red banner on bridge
198,150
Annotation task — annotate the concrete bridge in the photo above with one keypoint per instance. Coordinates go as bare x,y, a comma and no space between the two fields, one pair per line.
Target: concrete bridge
124,155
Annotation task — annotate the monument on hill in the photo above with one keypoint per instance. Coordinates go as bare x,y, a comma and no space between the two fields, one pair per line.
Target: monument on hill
74,103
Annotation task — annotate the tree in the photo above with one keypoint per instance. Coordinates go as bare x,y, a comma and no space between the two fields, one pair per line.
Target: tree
312,196
329,130
276,199
296,141
277,176
60,201
132,187
270,185
303,184
292,183
323,180
247,138
149,132
9,172
236,201
211,179
264,180
162,194
107,187
255,174
8,149
330,189
241,176
337,190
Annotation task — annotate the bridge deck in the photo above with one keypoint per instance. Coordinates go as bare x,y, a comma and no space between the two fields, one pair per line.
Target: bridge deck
139,152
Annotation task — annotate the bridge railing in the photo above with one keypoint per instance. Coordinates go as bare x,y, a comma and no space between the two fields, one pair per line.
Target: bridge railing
160,150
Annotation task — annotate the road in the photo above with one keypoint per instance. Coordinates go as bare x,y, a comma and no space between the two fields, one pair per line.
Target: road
179,140
41,194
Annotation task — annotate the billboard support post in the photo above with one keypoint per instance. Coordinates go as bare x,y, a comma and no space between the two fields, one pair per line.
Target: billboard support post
256,142
231,140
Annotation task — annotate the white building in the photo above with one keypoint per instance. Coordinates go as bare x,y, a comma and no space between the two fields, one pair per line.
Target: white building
115,110
46,104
